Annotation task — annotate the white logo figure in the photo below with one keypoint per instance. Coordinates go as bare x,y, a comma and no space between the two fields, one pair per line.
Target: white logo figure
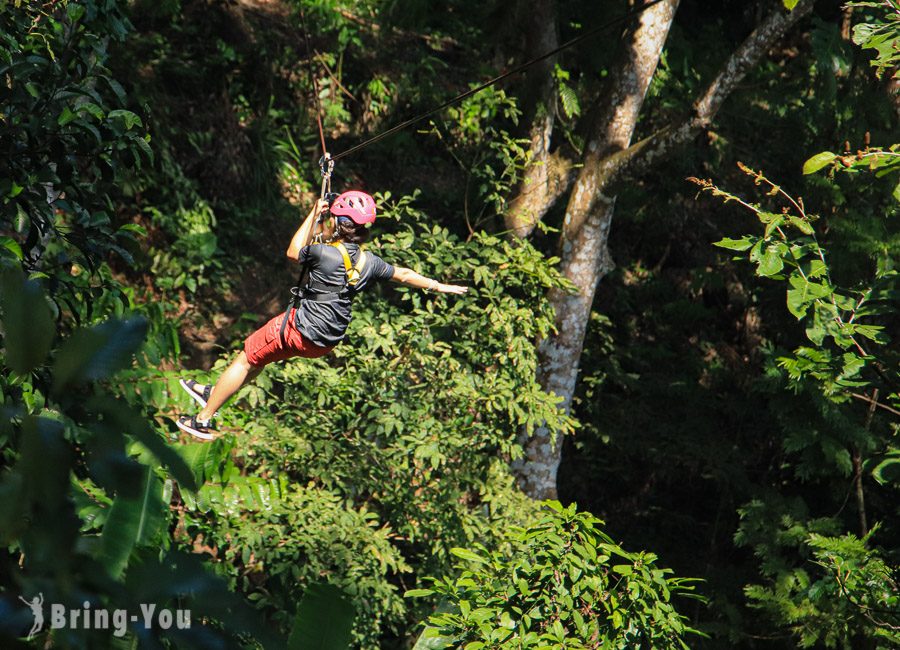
36,605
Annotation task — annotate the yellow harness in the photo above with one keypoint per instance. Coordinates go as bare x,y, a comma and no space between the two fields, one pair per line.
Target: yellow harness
353,271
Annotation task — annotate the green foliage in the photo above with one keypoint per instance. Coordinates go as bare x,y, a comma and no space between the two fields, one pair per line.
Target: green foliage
847,355
85,490
189,261
68,136
844,594
880,33
559,583
790,250
397,476
492,159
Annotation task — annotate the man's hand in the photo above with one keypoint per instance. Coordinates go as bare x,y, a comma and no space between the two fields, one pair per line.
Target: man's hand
450,288
320,208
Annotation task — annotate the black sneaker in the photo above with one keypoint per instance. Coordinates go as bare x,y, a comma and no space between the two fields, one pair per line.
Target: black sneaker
198,428
197,391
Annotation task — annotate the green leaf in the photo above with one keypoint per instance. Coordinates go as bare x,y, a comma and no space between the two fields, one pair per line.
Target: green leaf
66,116
818,161
92,108
128,117
888,470
133,522
771,263
417,593
75,12
96,353
735,244
790,4
798,302
431,639
27,322
802,225
129,421
324,620
466,554
11,245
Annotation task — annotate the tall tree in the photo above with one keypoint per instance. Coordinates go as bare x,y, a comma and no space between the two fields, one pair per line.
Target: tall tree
608,156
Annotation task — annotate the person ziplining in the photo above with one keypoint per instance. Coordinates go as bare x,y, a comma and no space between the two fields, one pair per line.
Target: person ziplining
337,270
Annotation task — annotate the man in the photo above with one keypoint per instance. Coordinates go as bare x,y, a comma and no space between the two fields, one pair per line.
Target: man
337,271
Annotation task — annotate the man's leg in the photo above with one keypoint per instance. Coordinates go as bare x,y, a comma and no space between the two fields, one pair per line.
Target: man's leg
240,373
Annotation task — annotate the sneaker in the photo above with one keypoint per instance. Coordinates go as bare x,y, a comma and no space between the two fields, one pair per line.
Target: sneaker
197,391
198,428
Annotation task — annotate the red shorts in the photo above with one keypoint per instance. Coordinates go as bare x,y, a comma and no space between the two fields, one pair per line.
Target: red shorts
264,345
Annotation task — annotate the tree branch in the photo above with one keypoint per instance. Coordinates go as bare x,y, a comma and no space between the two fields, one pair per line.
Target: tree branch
641,155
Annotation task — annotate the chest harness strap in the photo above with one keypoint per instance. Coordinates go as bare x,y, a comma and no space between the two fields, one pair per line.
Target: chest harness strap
323,292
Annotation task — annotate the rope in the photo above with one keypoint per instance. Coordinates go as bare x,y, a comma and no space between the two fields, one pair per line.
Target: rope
312,79
498,78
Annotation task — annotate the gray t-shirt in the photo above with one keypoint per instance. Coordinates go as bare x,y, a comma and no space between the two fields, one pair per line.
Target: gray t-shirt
324,323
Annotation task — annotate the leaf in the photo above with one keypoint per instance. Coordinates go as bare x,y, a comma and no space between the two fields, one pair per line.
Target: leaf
466,554
10,244
66,116
27,322
623,569
569,99
770,264
818,161
798,302
133,522
128,117
802,225
735,244
131,422
888,470
96,353
790,4
324,620
431,639
417,593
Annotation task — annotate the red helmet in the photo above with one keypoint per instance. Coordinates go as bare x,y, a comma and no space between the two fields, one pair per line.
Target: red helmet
359,206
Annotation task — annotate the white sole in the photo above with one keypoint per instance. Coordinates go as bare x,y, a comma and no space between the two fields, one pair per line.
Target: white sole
195,396
194,432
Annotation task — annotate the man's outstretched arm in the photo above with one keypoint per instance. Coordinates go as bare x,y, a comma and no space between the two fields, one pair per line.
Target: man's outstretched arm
412,279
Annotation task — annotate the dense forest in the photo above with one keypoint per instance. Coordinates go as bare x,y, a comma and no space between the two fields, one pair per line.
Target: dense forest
664,415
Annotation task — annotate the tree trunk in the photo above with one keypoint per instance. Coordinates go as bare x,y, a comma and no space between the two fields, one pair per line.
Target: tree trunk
541,180
583,250
608,156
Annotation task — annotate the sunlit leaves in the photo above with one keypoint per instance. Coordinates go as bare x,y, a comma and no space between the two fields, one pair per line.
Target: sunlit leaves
818,161
563,583
881,34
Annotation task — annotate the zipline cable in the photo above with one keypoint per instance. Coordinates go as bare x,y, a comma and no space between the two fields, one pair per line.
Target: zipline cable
497,79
